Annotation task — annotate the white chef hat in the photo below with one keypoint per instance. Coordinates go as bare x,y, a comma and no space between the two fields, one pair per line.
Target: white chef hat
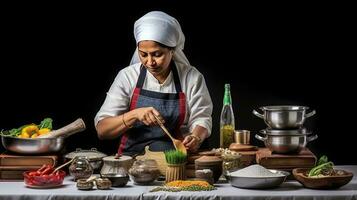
160,27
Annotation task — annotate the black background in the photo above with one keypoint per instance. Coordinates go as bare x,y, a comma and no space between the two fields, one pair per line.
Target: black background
58,61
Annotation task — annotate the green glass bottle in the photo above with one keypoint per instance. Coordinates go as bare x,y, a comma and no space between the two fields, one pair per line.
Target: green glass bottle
227,125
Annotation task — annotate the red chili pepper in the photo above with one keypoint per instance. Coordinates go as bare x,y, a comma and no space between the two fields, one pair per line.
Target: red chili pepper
34,173
42,168
47,170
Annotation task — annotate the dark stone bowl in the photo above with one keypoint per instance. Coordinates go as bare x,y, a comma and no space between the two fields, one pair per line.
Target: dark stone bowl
117,180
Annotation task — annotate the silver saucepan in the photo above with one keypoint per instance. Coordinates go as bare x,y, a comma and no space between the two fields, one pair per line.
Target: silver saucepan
52,143
284,117
286,144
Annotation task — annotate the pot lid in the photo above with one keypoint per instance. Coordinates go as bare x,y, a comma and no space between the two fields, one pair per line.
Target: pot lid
115,159
208,159
91,154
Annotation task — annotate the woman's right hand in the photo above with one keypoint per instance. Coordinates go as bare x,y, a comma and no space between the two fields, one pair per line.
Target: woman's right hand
146,115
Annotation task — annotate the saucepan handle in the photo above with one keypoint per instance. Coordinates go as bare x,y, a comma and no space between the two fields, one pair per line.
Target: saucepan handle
72,128
260,138
311,138
256,113
310,114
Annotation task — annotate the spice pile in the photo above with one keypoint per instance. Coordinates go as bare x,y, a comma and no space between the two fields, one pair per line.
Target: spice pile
255,171
177,186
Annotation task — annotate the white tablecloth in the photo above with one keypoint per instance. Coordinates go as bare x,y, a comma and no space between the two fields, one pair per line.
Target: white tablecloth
288,190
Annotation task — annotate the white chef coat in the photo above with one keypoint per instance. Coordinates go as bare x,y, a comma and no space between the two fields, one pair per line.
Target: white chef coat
198,101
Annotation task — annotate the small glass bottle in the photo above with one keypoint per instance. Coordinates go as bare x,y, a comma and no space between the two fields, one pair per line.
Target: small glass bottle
227,125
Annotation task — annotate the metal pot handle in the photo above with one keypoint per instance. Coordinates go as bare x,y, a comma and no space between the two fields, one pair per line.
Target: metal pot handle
260,138
310,114
311,138
256,113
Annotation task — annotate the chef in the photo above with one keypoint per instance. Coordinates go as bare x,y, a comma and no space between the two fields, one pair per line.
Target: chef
160,84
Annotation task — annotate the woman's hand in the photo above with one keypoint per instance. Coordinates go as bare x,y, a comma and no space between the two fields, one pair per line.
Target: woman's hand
192,143
146,115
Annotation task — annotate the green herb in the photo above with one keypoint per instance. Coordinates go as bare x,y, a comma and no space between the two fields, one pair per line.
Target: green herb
322,166
46,123
175,157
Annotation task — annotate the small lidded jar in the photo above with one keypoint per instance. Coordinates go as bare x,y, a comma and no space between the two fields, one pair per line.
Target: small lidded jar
80,168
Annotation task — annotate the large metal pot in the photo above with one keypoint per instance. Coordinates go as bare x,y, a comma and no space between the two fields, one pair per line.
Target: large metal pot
32,146
286,144
284,117
297,132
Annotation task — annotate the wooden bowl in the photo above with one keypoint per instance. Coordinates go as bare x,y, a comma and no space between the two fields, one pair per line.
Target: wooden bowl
326,182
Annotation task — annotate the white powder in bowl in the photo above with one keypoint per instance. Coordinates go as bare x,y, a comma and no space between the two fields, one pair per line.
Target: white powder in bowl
256,171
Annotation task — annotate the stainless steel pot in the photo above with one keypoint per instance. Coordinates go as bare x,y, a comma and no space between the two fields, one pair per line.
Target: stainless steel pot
297,132
286,144
284,117
32,145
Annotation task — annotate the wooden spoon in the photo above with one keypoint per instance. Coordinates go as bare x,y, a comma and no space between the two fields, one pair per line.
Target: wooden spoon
63,165
177,143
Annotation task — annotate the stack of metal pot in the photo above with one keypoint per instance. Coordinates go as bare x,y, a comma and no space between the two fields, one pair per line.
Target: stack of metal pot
285,133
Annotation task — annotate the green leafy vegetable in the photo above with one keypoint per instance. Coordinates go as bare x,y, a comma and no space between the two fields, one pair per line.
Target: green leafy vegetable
322,167
323,159
46,123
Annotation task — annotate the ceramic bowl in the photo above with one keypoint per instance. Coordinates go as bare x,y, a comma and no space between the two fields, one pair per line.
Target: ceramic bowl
325,182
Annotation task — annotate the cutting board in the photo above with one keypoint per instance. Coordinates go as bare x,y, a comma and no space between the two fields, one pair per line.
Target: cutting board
27,160
271,160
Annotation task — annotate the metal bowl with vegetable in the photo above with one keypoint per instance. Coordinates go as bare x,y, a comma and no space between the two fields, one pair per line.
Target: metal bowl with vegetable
29,139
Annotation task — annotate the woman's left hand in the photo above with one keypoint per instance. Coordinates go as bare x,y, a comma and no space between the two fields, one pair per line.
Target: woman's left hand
192,143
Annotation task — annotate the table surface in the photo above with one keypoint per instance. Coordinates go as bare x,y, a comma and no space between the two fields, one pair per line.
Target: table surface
288,190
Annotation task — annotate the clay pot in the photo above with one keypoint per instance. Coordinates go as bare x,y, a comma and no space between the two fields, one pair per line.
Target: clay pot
213,163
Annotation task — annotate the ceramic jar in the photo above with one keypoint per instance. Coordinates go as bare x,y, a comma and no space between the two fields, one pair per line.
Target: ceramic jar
144,172
113,164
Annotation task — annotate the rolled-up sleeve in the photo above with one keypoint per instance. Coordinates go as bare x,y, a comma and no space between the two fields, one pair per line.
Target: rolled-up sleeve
117,99
199,103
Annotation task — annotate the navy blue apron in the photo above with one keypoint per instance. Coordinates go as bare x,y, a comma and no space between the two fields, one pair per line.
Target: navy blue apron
172,107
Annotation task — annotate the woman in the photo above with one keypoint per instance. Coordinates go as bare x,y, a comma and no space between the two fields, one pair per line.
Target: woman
160,84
